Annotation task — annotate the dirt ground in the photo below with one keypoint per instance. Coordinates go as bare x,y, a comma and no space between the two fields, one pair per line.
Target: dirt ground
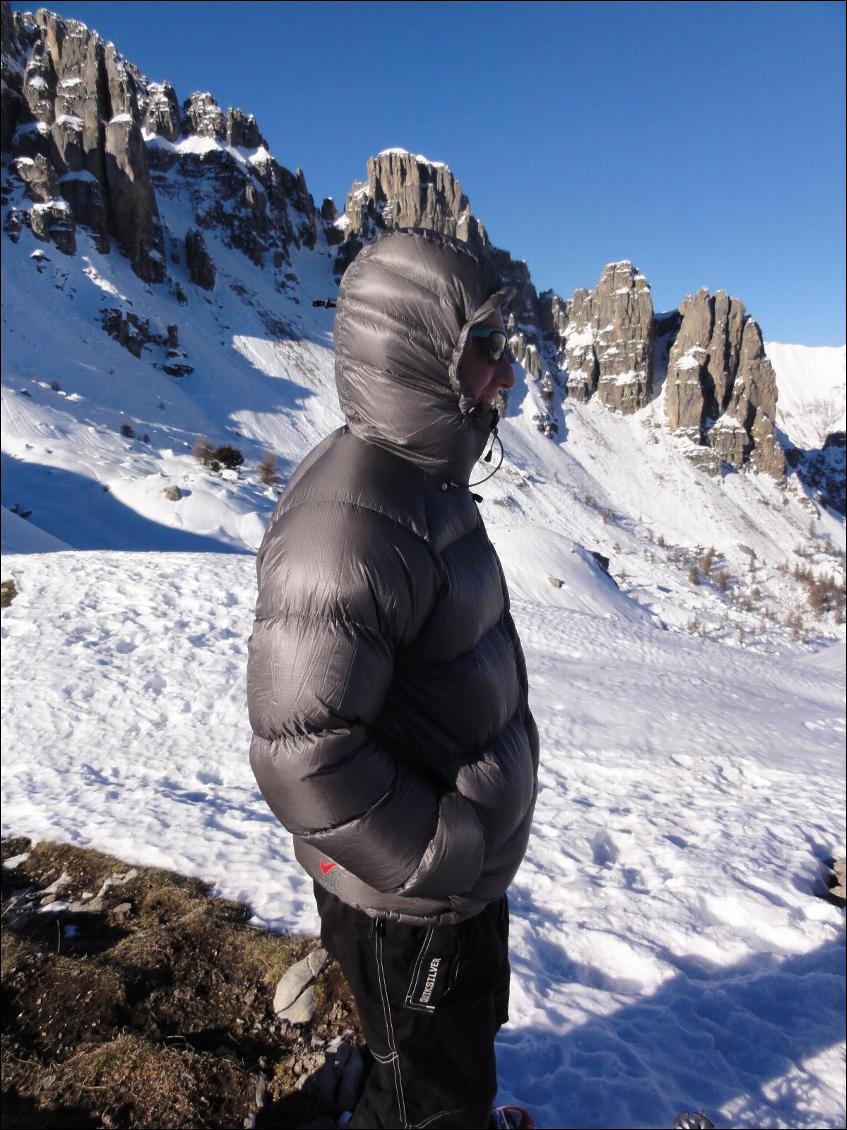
149,1003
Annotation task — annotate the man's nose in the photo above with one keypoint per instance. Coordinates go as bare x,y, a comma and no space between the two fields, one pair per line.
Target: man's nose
505,374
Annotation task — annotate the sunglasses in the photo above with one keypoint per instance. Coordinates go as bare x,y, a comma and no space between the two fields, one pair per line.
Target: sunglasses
496,341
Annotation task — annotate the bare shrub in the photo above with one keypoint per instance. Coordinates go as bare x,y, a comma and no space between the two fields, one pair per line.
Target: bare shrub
694,575
695,628
660,540
202,450
795,623
128,430
722,580
268,473
55,386
707,560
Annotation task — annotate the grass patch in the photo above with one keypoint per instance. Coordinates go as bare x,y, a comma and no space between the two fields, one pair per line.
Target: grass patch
134,998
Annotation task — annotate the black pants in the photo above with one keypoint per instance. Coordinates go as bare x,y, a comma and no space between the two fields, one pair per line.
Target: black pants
430,1000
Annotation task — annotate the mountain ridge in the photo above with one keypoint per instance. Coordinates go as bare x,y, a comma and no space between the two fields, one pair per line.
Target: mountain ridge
227,344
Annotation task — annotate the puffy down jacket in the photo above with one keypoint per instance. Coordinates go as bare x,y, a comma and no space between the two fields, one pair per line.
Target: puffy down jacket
386,683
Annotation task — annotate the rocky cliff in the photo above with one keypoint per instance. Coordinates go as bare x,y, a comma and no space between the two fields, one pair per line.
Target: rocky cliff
92,141
608,338
407,191
721,390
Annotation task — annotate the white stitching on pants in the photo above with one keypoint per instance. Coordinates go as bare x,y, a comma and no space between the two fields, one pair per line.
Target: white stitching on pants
389,1027
441,1113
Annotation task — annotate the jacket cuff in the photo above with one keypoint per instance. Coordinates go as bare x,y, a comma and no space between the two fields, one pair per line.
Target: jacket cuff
453,860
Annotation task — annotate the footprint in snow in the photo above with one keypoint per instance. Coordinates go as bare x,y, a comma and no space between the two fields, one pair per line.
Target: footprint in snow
604,849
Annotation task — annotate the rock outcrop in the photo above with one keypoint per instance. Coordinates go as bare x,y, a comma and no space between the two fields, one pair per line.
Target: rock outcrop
77,105
721,389
201,269
241,130
161,112
49,217
608,339
407,191
74,101
262,207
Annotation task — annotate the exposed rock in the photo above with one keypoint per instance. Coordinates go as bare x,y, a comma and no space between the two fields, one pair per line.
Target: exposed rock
721,388
242,130
133,214
337,1082
54,222
609,339
67,153
13,106
82,192
122,84
823,470
201,269
39,86
204,114
526,354
730,441
329,212
302,1010
296,980
161,111
404,191
837,882
82,101
130,330
39,176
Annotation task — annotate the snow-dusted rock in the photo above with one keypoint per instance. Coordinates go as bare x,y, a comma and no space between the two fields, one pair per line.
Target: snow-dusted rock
721,389
404,190
609,339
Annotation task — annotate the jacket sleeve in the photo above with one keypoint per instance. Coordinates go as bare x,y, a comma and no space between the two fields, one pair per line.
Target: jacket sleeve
341,590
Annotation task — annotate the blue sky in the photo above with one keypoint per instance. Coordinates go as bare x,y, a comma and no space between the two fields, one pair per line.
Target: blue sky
704,141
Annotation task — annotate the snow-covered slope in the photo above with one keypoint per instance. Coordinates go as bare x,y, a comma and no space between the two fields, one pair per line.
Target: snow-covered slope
93,435
811,384
667,947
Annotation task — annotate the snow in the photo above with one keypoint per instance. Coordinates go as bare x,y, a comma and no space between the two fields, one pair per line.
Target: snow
688,361
73,122
55,205
122,118
811,391
579,338
667,946
79,174
417,156
729,423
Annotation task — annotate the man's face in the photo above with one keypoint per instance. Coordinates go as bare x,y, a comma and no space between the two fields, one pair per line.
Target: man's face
484,378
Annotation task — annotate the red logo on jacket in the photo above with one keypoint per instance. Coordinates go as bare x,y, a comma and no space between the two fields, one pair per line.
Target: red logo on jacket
326,866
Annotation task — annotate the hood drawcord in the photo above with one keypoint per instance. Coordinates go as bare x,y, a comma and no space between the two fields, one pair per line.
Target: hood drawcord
450,485
485,478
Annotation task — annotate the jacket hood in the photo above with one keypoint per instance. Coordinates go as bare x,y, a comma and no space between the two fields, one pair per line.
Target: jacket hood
405,308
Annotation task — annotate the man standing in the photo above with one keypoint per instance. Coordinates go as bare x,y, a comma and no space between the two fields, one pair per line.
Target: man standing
387,686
